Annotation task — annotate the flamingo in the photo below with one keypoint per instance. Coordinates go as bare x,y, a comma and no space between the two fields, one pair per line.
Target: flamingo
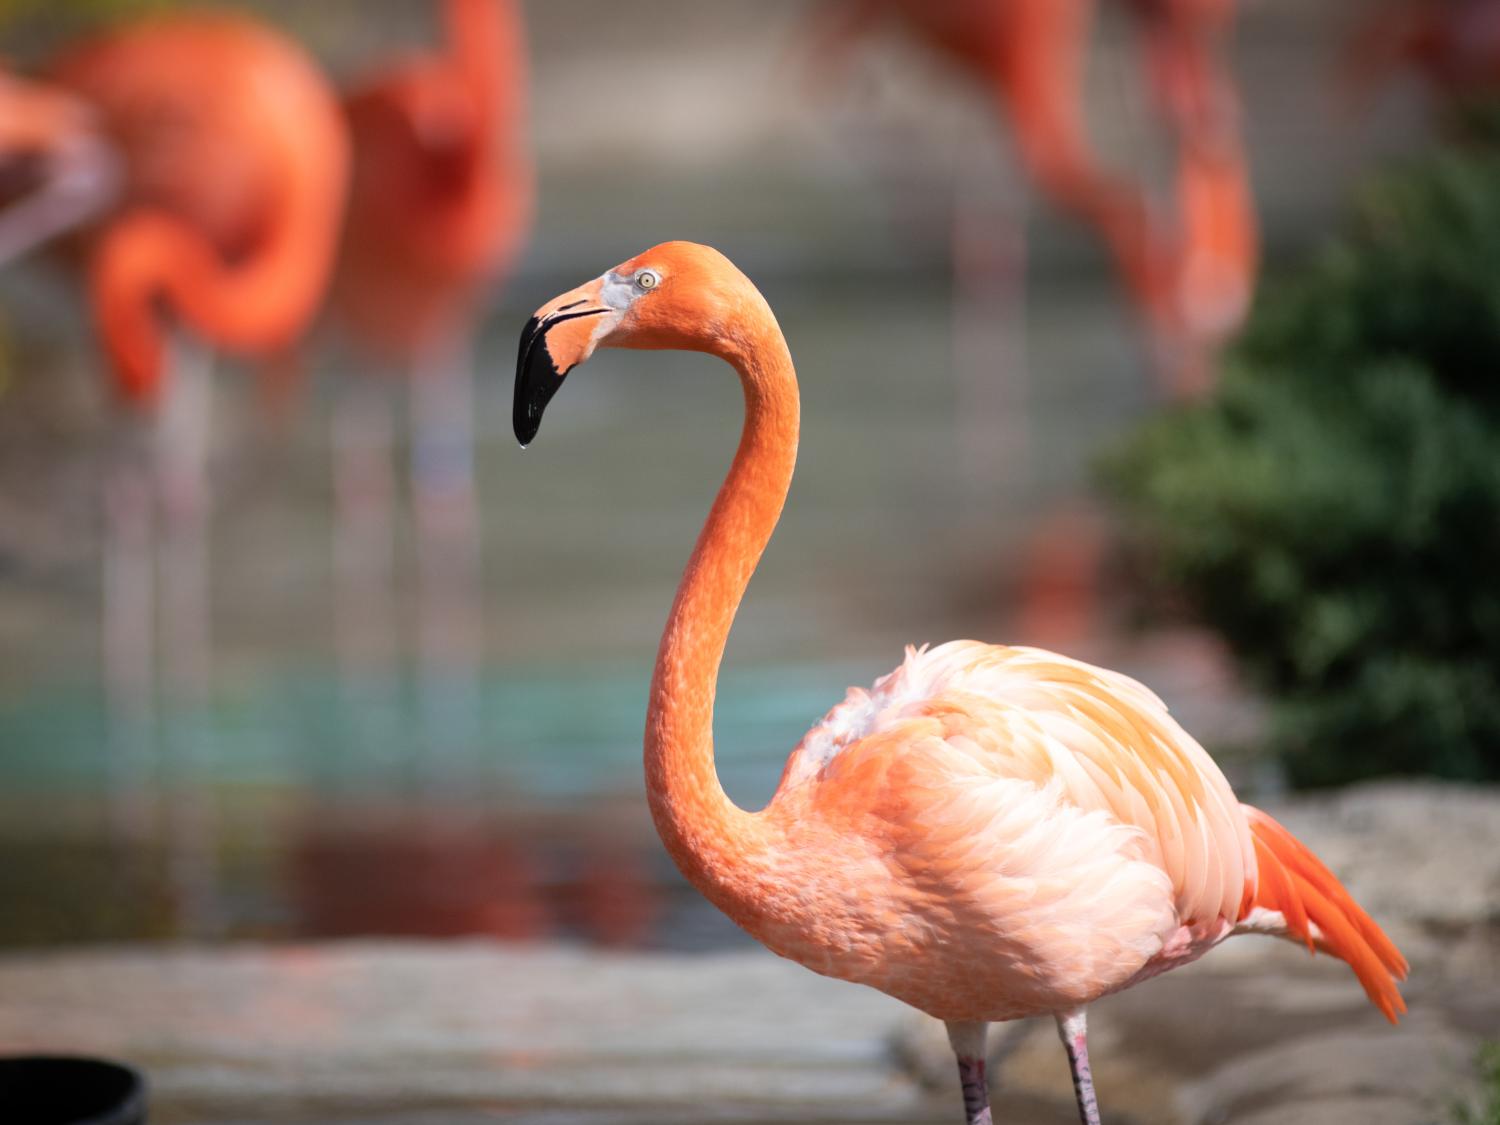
1029,56
987,833
224,215
236,163
1218,237
1453,44
1190,277
439,205
1189,272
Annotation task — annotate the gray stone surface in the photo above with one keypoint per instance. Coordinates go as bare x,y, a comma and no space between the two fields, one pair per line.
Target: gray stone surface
389,1032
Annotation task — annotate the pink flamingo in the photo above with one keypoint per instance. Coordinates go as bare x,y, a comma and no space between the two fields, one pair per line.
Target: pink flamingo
202,161
1029,55
988,833
1453,44
1217,235
1189,270
1189,274
439,206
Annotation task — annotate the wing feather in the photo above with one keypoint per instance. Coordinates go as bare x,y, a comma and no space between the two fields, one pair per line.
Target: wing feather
1104,739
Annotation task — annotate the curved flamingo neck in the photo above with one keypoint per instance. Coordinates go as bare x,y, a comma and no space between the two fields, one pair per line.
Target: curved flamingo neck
715,843
255,306
484,222
487,41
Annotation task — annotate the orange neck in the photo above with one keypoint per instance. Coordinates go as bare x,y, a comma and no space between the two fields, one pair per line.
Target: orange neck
716,844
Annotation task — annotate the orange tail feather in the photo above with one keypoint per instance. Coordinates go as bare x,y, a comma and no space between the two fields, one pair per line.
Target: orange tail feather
1318,910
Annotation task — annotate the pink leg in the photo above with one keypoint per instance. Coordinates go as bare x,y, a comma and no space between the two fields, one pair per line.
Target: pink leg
1072,1027
449,595
128,640
968,1045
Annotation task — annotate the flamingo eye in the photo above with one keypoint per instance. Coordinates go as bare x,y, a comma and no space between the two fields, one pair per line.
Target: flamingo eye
647,279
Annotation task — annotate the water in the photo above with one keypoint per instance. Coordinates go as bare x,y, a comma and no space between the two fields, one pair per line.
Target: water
504,796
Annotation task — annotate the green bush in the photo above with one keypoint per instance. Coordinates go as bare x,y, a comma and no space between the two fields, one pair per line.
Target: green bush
1333,509
1485,1110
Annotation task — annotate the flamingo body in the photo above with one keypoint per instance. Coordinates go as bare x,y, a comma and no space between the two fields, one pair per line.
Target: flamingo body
1013,852
996,832
236,164
989,832
1453,44
441,193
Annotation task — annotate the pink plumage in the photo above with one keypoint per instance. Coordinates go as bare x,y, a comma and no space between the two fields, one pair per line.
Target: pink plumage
989,832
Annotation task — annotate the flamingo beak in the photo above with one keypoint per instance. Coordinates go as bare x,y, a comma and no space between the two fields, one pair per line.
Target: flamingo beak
57,171
561,335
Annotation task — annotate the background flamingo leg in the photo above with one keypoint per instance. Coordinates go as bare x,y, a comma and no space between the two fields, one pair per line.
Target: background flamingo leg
127,641
448,557
364,533
181,462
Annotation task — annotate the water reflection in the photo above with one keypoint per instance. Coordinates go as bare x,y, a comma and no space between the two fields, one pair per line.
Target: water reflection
327,824
444,871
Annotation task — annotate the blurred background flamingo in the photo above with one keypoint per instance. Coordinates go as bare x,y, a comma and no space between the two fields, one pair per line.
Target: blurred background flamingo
1452,44
223,220
439,206
1213,228
1187,268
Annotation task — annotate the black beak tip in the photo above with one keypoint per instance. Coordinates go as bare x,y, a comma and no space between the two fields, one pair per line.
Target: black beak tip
536,382
537,376
526,429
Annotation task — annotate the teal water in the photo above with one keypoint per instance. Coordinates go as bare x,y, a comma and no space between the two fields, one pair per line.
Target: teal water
307,807
536,735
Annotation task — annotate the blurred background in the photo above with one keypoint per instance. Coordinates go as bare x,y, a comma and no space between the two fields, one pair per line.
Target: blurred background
1158,331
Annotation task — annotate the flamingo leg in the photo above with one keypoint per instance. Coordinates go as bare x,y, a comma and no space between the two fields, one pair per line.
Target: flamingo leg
448,557
127,640
365,605
183,444
968,1045
364,535
1072,1027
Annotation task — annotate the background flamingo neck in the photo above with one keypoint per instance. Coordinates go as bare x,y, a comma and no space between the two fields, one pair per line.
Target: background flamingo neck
486,39
716,844
255,306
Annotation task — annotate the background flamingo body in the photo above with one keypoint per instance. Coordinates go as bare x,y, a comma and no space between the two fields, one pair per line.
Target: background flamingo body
1030,56
236,166
1452,44
1189,272
442,188
988,833
440,203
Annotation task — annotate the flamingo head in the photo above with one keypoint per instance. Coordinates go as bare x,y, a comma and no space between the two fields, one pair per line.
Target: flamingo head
57,171
678,295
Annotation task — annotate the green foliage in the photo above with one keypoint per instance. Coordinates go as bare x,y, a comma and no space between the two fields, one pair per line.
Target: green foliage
1334,508
1487,1110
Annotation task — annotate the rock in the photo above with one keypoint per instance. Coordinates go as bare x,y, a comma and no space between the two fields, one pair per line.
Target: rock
1406,1075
